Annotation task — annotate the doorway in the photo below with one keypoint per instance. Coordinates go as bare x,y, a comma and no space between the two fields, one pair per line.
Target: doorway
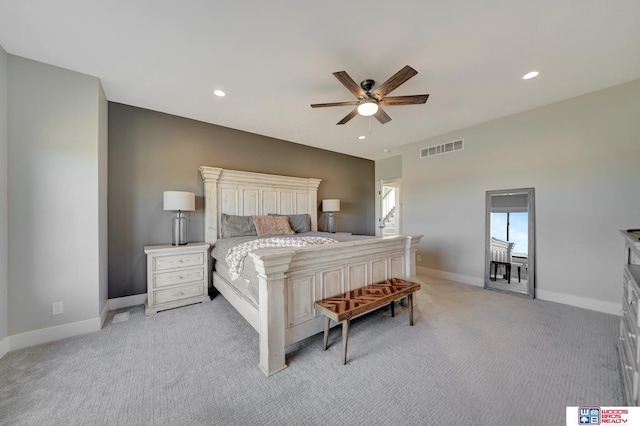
390,220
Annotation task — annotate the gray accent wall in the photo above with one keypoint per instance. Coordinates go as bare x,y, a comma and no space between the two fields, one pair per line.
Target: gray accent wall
151,152
582,156
4,224
57,200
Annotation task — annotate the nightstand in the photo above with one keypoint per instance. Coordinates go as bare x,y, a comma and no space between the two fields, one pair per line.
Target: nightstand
176,276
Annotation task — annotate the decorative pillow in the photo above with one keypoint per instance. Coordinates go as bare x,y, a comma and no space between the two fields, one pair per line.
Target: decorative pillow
272,225
299,222
236,226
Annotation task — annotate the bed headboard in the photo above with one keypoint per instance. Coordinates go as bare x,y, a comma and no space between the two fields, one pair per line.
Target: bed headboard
247,193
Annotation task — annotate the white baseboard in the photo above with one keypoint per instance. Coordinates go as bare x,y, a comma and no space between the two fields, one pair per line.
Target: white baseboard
103,313
4,347
580,302
44,335
127,301
551,296
464,279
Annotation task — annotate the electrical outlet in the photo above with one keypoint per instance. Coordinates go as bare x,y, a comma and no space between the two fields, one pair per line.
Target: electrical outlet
56,308
418,258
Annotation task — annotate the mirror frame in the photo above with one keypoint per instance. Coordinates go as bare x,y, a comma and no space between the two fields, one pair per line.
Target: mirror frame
531,236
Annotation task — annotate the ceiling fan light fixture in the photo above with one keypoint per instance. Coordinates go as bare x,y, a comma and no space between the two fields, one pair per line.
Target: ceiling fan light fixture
367,108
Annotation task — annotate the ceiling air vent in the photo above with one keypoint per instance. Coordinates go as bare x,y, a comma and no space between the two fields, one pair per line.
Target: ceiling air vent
442,149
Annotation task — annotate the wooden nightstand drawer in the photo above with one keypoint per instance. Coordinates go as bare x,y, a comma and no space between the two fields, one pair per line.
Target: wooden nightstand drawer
173,261
178,277
178,293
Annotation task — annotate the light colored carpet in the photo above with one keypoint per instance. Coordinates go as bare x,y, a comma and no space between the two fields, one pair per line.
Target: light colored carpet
474,357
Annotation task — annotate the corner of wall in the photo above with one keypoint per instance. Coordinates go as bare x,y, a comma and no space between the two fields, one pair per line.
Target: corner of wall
4,220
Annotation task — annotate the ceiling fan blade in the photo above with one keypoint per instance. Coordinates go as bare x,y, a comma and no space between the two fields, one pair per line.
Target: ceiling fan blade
332,104
404,100
382,116
351,85
348,116
394,81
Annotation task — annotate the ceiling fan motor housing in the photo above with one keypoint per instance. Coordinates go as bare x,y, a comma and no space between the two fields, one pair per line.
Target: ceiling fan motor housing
367,85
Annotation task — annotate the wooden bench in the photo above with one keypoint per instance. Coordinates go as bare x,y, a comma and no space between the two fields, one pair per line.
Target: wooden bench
345,306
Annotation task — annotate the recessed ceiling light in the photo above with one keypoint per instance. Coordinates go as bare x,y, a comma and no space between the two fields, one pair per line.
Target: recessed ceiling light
362,137
219,93
530,75
386,150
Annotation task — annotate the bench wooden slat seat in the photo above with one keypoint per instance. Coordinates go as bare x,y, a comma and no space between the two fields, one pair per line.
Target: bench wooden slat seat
343,307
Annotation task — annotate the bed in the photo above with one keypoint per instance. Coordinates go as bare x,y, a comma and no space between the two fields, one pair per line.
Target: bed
288,281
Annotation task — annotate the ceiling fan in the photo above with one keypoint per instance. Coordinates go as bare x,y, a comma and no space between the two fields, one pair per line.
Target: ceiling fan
369,103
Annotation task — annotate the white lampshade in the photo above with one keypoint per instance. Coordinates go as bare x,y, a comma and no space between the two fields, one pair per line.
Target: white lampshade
367,108
332,205
179,201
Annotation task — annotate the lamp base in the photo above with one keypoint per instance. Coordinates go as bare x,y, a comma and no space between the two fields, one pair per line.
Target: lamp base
179,230
330,223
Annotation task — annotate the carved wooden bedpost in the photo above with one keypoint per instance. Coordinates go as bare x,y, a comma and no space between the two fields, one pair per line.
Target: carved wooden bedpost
313,202
271,266
210,177
412,248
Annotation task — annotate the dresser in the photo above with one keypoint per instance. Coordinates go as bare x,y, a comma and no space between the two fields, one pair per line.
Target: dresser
629,346
176,276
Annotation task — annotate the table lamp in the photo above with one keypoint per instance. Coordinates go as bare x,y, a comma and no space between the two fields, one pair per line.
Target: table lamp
330,206
179,201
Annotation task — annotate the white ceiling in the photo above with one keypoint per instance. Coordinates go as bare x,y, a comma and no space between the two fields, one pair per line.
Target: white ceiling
274,58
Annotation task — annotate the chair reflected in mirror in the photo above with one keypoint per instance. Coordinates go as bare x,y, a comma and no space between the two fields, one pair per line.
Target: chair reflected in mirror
501,257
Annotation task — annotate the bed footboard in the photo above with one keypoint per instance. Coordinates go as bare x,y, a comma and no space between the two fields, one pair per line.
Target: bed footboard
292,280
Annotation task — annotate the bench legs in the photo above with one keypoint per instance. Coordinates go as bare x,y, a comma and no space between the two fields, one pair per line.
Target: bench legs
410,301
327,320
345,329
345,337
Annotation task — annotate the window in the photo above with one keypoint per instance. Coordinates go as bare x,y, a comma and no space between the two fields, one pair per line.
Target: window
513,227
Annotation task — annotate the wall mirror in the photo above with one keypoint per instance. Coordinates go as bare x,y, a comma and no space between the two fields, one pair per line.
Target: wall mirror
510,241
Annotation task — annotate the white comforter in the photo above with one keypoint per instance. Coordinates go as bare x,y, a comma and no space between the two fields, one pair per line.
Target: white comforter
236,255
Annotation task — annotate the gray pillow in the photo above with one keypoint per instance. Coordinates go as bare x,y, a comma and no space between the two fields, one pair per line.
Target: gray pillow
236,226
299,222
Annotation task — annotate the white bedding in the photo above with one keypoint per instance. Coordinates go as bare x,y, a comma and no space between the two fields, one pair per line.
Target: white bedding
236,255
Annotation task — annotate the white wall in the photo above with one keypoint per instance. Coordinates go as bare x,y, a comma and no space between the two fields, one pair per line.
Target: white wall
103,178
57,201
4,244
582,156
